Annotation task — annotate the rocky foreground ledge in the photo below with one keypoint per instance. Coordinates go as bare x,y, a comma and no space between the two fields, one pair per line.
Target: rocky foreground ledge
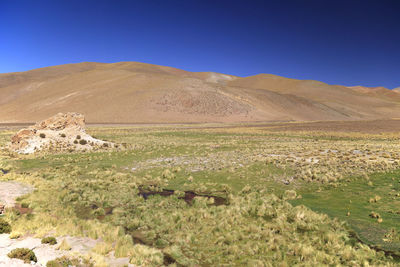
64,131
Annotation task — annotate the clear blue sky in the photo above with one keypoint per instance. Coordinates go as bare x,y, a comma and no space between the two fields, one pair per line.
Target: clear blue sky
348,42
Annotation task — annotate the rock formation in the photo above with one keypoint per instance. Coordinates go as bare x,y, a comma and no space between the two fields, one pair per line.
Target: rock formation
64,131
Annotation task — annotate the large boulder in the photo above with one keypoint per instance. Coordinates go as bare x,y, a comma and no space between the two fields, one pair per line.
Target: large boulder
64,131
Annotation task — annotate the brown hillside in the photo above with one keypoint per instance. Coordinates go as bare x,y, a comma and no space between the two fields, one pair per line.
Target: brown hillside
131,92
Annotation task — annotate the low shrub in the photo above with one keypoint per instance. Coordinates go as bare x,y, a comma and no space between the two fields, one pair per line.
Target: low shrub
42,135
75,141
82,142
24,254
5,227
78,137
49,240
63,135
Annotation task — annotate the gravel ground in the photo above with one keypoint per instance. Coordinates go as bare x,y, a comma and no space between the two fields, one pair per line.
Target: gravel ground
9,191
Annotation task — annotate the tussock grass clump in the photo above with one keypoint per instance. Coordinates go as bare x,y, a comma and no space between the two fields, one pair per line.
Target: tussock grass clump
374,199
64,262
49,240
24,254
392,235
146,256
123,246
289,194
374,215
167,174
175,253
102,248
15,235
64,245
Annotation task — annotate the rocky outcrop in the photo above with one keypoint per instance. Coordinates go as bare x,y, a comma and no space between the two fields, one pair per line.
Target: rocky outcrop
63,121
64,131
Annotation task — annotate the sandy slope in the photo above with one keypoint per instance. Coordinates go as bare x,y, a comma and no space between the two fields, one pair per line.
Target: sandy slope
131,92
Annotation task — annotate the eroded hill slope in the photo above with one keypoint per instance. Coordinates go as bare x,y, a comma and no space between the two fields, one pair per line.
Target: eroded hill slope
131,92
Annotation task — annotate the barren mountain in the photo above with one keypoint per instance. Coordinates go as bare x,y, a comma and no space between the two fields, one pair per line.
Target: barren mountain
131,92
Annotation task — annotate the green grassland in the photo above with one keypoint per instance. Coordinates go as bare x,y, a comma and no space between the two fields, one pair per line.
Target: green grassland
291,198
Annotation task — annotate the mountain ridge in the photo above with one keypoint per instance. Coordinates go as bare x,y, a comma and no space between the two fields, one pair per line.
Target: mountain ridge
134,92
